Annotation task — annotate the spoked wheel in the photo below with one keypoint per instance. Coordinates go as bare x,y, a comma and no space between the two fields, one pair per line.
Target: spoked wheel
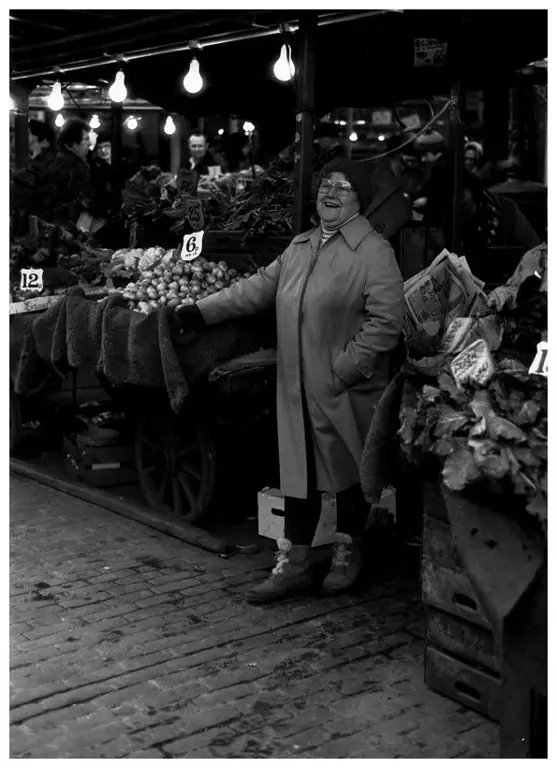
176,464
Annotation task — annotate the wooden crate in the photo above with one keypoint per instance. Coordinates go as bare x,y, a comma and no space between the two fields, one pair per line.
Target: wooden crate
470,686
452,592
462,639
100,466
445,584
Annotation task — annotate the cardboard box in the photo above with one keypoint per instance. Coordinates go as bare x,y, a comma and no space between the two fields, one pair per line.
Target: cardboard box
271,517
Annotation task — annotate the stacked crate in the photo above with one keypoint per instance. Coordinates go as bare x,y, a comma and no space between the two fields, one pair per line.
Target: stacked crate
462,660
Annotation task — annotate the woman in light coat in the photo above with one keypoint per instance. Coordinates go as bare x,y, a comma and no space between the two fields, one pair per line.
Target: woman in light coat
339,303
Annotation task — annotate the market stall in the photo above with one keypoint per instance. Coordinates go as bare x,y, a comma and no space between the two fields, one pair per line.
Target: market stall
466,409
470,410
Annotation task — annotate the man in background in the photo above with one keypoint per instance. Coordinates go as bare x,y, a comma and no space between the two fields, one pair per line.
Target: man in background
200,159
42,138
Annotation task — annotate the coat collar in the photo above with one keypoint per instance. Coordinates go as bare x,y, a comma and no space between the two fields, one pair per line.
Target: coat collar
353,232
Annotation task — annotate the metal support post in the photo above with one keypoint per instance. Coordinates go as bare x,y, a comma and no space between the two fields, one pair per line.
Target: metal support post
21,126
457,153
303,142
117,119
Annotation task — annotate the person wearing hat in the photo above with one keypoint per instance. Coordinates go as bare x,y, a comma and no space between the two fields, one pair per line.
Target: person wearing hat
409,168
473,153
339,303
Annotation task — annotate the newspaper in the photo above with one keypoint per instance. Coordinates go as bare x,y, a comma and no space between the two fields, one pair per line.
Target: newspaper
443,292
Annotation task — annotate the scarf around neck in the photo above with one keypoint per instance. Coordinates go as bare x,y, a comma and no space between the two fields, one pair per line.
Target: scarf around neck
328,232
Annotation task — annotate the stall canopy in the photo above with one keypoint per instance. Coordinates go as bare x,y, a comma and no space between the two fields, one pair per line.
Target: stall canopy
362,57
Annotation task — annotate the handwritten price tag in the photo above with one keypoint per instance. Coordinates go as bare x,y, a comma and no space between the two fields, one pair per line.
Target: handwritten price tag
194,214
539,366
186,181
192,246
429,52
31,280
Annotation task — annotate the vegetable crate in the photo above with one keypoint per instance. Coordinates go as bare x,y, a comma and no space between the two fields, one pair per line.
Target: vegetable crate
462,658
102,466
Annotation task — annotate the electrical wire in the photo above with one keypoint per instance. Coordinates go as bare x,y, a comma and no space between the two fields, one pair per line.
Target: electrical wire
413,138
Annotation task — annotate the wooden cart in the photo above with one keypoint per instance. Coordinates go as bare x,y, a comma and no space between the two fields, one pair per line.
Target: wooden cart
175,454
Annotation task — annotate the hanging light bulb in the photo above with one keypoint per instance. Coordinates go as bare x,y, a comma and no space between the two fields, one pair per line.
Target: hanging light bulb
118,90
55,101
132,123
220,131
353,136
248,127
169,126
193,82
284,69
60,120
94,122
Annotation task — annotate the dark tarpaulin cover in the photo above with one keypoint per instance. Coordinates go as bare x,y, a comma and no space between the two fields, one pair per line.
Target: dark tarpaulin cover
128,347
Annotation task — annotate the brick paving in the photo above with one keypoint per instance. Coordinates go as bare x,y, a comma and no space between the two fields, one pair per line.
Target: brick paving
127,643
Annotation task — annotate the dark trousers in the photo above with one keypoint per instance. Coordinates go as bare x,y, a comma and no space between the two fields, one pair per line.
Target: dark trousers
301,516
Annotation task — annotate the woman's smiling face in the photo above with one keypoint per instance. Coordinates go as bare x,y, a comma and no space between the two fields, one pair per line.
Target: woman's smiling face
334,206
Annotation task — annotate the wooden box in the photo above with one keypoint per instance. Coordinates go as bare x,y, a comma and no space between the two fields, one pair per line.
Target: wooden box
462,639
445,585
462,682
101,466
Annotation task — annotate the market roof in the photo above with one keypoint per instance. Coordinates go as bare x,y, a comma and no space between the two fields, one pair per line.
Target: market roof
360,62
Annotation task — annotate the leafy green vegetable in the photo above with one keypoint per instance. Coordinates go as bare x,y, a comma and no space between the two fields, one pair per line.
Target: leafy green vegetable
498,427
449,421
442,447
460,470
538,508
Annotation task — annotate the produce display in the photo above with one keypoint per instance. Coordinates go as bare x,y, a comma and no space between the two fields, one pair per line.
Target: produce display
66,255
483,418
146,193
493,437
263,208
164,279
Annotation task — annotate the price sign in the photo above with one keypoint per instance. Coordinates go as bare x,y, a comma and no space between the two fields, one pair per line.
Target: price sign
31,280
539,366
186,182
382,117
194,214
192,246
429,52
412,122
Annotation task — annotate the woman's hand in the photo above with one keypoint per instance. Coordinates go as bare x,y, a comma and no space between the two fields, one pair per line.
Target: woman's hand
190,318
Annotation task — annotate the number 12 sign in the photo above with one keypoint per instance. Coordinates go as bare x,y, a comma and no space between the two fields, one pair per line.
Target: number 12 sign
192,246
31,280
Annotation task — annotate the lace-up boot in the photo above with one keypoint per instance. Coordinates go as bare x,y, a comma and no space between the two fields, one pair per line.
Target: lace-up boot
346,564
290,575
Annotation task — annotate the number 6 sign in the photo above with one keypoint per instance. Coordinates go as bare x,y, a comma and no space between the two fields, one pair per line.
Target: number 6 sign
31,280
539,366
192,246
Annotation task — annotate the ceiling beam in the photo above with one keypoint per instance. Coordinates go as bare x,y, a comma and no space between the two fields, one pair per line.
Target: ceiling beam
19,20
208,42
96,33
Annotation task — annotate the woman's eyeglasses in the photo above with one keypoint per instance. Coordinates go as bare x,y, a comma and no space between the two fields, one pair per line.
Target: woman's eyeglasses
343,188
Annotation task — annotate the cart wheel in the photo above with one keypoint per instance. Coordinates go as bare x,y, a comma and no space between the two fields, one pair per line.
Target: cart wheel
16,431
175,462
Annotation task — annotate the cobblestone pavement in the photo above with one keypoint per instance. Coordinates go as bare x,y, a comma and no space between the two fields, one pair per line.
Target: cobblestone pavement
128,643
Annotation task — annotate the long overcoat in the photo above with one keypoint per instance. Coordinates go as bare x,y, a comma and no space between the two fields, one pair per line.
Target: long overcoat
339,313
